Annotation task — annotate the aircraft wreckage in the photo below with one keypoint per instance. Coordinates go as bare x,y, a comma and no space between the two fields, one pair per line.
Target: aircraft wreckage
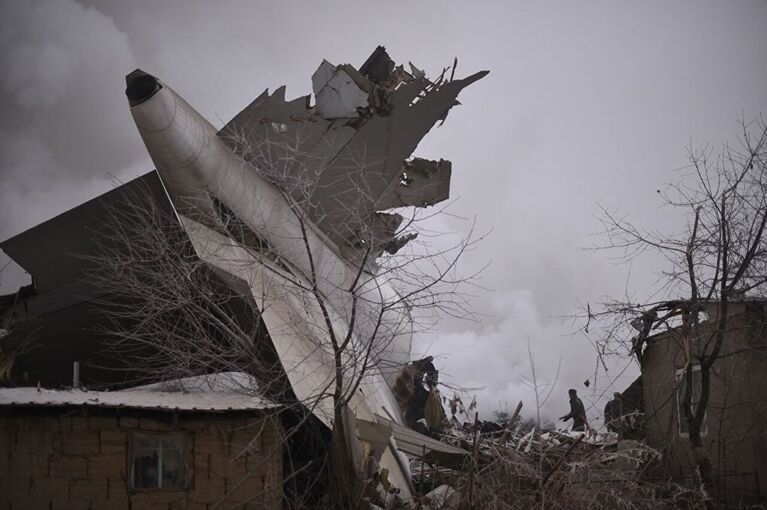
349,162
314,185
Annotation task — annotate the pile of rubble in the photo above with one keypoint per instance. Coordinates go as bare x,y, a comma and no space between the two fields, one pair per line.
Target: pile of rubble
509,469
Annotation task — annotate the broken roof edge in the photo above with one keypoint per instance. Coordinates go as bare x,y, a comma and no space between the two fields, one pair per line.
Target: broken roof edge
117,186
72,233
711,321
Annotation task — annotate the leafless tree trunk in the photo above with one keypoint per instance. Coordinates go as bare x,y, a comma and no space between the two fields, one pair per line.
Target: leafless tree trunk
532,383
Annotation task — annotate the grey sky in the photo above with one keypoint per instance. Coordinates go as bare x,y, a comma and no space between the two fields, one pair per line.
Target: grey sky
586,103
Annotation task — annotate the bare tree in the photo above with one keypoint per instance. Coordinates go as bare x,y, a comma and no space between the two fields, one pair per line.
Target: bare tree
538,388
719,256
190,294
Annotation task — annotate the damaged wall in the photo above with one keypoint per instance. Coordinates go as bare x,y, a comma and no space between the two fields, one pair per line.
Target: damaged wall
735,436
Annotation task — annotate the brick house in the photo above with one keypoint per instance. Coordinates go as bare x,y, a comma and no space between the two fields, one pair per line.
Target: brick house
734,428
192,443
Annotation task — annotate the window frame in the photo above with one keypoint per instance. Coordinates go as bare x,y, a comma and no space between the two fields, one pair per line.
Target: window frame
184,439
679,382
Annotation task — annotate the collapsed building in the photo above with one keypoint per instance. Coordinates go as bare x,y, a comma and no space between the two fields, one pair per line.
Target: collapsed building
312,189
733,429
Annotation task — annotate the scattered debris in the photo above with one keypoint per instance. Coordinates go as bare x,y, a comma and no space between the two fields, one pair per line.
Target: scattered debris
443,497
416,391
337,94
547,469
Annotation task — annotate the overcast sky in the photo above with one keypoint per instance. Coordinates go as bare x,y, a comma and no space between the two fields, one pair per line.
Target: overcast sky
587,103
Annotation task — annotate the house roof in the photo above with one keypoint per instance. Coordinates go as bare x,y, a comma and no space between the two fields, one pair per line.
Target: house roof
228,391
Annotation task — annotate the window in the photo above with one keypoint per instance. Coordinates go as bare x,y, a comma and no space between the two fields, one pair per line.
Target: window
158,461
681,389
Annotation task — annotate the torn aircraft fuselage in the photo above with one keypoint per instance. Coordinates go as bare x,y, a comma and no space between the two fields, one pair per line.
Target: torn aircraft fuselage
313,183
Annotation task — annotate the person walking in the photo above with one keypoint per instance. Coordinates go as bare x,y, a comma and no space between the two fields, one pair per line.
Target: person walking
577,412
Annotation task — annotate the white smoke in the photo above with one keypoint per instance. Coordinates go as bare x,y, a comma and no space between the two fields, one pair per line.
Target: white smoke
492,360
66,133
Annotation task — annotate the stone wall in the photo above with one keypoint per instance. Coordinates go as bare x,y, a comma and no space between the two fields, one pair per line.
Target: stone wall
50,460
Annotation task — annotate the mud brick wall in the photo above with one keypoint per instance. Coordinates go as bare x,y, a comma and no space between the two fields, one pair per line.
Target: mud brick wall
73,461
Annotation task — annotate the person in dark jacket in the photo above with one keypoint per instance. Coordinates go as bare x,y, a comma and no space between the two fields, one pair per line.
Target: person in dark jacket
614,413
577,412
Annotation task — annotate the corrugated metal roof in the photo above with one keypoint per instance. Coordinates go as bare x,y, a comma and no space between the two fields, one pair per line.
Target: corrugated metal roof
230,391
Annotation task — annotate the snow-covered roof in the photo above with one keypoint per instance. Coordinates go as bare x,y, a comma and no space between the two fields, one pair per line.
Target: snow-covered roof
228,391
